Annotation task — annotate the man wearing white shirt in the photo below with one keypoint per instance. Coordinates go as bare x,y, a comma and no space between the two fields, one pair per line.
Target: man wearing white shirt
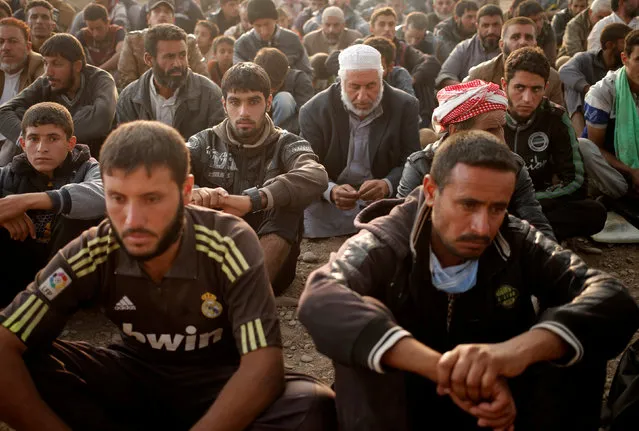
19,67
624,12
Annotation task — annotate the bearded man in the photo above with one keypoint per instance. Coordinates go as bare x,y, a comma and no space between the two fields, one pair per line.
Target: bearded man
362,130
86,91
169,91
19,67
483,46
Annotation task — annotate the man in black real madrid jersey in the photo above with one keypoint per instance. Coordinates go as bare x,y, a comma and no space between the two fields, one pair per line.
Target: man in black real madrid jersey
187,287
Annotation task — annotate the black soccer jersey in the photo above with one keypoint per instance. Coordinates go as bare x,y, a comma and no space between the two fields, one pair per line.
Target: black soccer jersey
213,305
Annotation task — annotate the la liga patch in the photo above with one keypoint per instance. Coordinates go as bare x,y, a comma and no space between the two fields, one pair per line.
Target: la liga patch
55,283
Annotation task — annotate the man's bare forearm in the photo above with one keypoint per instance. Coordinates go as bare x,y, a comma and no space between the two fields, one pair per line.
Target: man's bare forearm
244,397
411,355
20,404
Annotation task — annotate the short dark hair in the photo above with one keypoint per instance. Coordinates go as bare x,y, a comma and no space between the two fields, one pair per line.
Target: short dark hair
46,113
212,28
417,20
274,63
162,32
613,32
382,11
37,3
318,63
518,20
528,8
94,12
64,45
463,6
222,39
475,148
614,5
19,24
528,59
246,77
490,10
146,143
6,8
384,46
632,40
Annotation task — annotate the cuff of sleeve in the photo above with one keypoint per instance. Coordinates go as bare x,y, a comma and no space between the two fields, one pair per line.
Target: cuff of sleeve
580,85
390,187
377,338
56,200
565,334
269,198
327,193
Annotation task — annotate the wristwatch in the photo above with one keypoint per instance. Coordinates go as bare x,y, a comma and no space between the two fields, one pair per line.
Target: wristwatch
256,199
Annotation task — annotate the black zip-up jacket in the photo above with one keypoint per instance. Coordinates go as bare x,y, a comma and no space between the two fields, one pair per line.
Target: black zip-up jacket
549,147
389,260
523,203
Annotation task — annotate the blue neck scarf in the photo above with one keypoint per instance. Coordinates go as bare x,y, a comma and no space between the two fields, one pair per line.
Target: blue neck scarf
454,279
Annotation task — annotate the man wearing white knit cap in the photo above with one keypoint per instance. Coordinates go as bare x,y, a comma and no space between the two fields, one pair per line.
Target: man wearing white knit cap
362,130
332,36
474,105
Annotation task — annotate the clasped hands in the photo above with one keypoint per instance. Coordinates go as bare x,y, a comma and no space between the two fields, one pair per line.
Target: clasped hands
345,197
218,198
474,376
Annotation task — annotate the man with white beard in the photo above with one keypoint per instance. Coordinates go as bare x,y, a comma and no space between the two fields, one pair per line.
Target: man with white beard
19,67
362,130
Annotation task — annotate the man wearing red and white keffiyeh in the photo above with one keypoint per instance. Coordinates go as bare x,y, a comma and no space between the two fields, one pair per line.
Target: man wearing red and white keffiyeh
460,102
474,105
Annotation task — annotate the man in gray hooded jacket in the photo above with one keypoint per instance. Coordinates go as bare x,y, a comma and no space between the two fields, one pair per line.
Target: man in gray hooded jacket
49,194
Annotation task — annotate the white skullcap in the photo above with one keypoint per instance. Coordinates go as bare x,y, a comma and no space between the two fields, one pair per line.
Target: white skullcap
333,11
360,57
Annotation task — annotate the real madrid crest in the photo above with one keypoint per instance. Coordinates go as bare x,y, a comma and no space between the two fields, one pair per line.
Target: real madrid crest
211,308
506,296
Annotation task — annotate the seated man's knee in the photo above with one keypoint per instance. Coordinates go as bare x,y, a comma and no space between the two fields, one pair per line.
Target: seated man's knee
284,105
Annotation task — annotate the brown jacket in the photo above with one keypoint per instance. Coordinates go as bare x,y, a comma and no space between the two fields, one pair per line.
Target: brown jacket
493,71
315,41
32,70
576,35
66,12
131,64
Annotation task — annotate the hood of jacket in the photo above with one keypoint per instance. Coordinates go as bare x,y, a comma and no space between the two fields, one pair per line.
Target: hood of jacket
80,154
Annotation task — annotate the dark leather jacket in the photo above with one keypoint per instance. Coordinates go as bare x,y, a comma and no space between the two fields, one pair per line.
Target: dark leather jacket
523,204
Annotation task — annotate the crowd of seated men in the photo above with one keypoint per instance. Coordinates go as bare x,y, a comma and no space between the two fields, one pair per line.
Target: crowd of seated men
186,147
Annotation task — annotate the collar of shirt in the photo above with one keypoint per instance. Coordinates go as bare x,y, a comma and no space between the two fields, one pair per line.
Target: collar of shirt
158,98
184,265
70,102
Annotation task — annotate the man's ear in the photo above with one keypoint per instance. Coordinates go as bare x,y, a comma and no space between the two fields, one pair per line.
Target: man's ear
430,189
72,141
269,102
187,189
504,85
147,59
501,44
77,66
22,142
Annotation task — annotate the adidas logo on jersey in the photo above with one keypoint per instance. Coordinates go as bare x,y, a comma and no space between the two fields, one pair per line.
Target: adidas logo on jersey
124,304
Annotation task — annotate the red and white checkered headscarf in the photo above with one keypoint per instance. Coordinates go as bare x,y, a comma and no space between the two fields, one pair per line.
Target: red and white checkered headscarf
463,101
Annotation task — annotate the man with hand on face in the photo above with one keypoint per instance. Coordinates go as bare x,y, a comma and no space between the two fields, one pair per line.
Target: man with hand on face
87,92
248,167
587,68
169,91
132,64
363,130
263,16
332,36
447,270
516,33
19,67
48,195
187,287
461,26
475,105
483,46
